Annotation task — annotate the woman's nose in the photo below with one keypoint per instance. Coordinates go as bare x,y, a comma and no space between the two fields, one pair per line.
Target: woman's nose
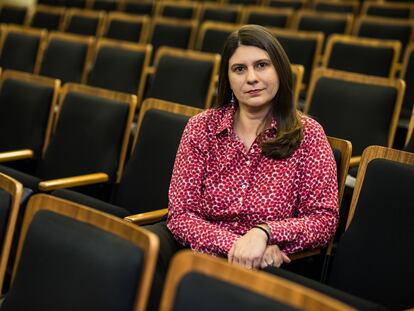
251,76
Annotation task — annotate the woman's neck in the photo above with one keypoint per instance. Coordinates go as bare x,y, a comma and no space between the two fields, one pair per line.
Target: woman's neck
249,124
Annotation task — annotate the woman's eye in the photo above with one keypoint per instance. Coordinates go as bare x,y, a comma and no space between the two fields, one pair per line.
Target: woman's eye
238,69
262,65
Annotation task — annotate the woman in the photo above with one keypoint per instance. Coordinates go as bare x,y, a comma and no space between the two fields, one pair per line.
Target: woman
253,179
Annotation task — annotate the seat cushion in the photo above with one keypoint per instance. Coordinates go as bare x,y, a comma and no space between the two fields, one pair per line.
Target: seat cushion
91,202
27,180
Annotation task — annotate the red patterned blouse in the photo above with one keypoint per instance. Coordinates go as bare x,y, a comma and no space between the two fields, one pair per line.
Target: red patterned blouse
219,191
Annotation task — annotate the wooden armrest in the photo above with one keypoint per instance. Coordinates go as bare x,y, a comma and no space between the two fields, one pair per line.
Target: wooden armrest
16,155
150,70
354,161
73,181
148,217
305,254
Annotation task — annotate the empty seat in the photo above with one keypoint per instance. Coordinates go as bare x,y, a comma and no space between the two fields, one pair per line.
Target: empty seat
12,14
225,13
212,36
126,27
20,47
268,17
47,17
83,22
181,10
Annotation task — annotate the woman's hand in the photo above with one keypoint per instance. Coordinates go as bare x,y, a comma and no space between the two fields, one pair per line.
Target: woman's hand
248,250
273,256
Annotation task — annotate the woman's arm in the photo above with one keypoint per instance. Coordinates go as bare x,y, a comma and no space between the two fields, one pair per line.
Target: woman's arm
187,220
317,211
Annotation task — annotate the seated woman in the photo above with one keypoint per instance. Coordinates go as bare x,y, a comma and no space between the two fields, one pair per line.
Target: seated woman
254,180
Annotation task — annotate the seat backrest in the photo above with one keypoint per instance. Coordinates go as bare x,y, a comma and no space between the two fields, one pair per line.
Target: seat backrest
380,215
224,13
126,27
351,6
244,2
328,23
172,32
80,4
362,109
293,4
82,258
212,36
145,182
197,281
362,55
104,5
407,74
184,76
120,66
385,28
65,57
27,105
20,47
10,195
47,17
388,9
83,22
302,47
98,142
144,7
181,10
267,17
12,14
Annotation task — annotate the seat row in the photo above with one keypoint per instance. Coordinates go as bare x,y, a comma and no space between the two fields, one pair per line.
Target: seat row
374,8
93,252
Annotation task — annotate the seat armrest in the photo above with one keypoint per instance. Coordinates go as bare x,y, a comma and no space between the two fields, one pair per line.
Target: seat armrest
16,155
73,181
354,161
148,217
305,254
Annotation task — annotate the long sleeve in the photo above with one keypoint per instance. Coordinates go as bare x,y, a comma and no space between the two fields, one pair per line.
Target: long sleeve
187,219
316,215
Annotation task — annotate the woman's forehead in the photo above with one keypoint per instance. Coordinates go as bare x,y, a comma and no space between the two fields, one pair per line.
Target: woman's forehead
248,53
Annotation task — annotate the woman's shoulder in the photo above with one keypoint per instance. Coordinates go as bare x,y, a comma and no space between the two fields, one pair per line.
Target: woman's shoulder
207,120
312,130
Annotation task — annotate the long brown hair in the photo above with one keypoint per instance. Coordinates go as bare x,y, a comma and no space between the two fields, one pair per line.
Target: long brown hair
289,126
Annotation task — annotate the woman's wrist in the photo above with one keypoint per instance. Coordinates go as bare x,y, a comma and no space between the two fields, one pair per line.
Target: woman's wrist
265,229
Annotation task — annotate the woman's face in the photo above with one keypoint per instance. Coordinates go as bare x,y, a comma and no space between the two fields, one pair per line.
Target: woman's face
253,78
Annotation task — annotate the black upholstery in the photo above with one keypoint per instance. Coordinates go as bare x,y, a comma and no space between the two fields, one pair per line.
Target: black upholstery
5,206
216,14
300,51
117,69
214,39
141,8
24,113
171,34
351,300
64,60
389,12
19,51
123,30
382,218
376,61
408,102
326,25
144,184
197,291
12,15
181,80
93,145
296,5
245,2
177,11
47,20
331,7
360,113
73,3
391,31
83,25
270,20
70,265
106,5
